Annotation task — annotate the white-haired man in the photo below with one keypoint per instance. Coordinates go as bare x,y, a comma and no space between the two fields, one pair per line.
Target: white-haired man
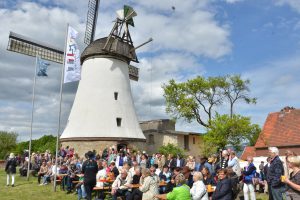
121,185
276,170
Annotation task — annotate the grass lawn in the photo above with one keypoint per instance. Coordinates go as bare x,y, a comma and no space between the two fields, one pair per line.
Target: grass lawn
30,190
261,196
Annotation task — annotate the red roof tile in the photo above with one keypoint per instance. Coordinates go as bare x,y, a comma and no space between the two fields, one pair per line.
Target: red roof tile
280,129
248,151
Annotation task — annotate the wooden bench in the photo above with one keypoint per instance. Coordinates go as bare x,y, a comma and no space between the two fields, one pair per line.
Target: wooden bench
101,189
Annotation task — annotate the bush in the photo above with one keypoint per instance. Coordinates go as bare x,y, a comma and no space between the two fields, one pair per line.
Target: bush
171,149
47,142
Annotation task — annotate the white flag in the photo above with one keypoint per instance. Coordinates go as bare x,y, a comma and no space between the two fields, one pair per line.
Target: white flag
72,58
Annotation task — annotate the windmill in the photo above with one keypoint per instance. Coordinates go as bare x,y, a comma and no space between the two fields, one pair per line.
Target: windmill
103,112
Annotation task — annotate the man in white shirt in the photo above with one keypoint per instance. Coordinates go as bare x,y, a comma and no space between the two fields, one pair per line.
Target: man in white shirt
121,185
234,163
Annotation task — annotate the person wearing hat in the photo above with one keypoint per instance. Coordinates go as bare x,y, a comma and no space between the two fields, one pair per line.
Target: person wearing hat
10,169
89,169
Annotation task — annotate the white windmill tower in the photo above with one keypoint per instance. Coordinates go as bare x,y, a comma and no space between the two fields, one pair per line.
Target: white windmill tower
103,112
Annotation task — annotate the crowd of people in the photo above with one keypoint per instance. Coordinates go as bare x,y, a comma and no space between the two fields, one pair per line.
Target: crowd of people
218,177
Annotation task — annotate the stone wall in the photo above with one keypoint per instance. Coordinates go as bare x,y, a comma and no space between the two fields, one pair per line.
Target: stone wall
81,147
163,124
178,140
160,139
195,143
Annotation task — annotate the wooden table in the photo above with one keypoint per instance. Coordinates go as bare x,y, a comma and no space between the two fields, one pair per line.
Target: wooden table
106,181
62,175
134,186
161,184
101,188
161,196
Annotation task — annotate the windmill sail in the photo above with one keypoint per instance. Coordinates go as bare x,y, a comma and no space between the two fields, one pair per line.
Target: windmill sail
126,14
91,21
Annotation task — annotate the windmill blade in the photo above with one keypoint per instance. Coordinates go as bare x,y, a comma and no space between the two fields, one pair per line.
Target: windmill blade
91,21
126,14
30,47
129,13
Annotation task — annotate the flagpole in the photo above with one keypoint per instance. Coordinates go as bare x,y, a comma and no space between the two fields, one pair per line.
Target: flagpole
59,115
32,107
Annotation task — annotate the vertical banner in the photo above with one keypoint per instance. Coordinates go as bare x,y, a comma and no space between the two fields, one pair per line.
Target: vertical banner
72,66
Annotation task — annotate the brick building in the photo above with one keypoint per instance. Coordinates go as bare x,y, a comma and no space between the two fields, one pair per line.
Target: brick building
282,130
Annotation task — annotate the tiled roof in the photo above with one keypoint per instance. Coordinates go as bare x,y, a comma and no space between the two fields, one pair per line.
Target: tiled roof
280,129
248,151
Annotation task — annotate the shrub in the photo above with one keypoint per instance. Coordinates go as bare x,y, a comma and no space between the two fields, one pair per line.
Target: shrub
171,149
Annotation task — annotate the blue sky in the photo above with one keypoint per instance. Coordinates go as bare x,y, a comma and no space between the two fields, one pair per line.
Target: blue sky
259,39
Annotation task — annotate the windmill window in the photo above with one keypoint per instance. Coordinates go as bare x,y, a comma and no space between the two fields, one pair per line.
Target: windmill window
119,120
116,95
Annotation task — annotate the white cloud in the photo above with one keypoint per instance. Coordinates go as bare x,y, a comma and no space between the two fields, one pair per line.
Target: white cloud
294,4
233,1
275,84
181,37
154,72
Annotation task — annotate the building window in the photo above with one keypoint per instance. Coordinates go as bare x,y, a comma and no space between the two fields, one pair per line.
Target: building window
119,120
194,141
151,139
116,95
186,142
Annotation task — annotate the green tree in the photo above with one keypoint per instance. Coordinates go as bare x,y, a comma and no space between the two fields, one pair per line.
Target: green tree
226,130
47,142
171,149
189,100
237,89
8,142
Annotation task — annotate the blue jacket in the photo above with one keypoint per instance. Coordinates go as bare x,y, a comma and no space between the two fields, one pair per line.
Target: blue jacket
275,171
249,173
223,190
